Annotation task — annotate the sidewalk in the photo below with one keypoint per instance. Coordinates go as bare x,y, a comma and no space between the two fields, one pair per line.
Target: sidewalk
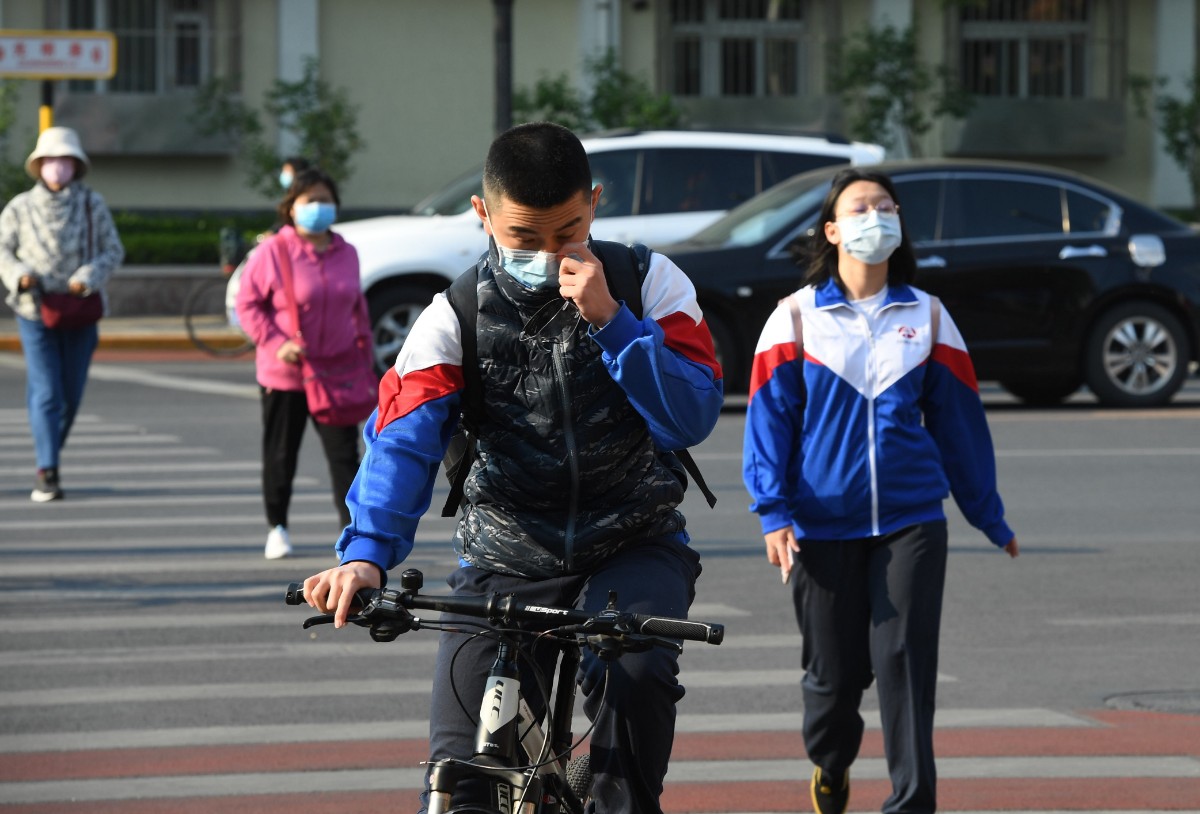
159,333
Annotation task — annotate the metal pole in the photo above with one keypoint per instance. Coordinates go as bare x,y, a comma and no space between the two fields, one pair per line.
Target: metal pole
502,36
46,111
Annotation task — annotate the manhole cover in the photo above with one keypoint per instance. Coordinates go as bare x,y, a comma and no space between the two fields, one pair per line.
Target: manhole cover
1183,701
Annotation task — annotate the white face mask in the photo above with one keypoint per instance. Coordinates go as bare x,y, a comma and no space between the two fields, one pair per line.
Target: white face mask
870,237
57,172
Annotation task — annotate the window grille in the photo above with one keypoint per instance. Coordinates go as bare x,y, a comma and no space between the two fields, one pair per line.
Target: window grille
737,48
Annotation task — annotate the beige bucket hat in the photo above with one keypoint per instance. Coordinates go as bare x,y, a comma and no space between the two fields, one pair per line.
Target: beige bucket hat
57,142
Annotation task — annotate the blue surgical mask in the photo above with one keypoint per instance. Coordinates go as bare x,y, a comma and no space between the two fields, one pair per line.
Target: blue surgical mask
870,237
532,269
315,216
285,179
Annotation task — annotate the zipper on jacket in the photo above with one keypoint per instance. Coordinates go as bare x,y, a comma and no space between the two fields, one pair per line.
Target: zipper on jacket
564,391
872,385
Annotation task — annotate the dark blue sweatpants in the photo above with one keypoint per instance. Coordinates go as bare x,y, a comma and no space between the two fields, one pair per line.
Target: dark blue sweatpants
634,714
872,609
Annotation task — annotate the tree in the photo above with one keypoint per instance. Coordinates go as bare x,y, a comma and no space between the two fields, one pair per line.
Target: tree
617,99
884,86
1177,119
13,179
321,118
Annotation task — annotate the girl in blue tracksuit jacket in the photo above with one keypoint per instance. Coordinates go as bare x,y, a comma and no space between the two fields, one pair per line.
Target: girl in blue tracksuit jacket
863,415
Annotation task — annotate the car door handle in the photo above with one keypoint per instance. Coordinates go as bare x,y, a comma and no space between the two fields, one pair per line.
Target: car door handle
1069,252
933,261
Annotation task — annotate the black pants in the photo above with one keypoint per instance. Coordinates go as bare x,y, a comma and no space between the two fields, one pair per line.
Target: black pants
634,709
284,415
872,609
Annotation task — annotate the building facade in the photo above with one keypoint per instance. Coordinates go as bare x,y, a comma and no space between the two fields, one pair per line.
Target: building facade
1050,79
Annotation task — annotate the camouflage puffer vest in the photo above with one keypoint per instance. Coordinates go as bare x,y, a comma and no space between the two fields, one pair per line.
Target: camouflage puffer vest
566,472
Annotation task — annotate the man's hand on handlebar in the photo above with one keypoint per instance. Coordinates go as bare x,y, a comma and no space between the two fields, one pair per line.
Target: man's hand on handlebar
333,591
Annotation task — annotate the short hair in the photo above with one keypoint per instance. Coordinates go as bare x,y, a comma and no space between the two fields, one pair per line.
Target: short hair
820,257
302,183
539,165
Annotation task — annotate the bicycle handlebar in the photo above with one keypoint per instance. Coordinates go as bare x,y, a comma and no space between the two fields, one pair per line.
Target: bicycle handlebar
391,604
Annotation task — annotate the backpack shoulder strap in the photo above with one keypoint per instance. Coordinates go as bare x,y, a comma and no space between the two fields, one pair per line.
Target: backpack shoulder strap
797,324
935,319
463,296
625,269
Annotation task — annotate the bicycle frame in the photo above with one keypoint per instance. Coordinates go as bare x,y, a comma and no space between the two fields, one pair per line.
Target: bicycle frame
506,722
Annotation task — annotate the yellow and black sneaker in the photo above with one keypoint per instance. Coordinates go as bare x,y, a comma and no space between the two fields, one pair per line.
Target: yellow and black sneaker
830,794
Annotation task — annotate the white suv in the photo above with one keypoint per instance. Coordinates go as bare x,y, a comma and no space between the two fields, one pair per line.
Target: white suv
659,187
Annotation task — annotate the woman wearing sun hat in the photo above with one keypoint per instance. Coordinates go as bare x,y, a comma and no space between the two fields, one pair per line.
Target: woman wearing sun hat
56,238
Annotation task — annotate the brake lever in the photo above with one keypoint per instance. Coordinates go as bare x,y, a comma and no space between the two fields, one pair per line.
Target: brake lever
327,619
610,646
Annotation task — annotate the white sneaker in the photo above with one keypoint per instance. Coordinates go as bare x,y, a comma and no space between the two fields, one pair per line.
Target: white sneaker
278,545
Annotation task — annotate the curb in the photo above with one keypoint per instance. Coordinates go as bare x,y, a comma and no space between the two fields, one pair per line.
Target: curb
126,342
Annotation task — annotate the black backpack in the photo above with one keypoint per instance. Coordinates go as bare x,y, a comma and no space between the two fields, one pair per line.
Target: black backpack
624,268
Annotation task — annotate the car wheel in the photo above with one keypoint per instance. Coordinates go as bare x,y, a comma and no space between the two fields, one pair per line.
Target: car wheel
725,349
1041,392
1137,356
393,312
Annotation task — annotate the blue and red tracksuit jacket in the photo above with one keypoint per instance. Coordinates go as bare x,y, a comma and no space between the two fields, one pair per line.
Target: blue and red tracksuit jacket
665,364
873,428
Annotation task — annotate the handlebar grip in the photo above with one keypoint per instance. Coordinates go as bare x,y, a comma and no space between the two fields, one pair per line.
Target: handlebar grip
678,629
295,594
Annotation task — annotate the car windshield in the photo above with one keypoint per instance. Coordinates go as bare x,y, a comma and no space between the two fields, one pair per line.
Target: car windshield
766,214
453,199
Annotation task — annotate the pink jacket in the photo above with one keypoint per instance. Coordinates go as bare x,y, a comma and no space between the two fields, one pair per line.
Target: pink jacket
332,310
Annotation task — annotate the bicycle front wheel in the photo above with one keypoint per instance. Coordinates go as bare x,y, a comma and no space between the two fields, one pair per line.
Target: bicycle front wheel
206,322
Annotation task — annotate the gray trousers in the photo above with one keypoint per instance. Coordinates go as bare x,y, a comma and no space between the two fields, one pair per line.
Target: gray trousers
871,609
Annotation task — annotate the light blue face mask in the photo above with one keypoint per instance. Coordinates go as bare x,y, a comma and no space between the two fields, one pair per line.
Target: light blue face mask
532,269
315,216
870,237
285,180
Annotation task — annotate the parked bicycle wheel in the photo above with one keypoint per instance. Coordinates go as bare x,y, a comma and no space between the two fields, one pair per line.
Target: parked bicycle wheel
207,322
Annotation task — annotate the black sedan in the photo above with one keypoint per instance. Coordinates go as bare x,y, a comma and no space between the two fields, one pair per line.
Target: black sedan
1054,279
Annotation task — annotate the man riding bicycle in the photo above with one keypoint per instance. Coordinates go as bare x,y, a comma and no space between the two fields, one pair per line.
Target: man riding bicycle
570,495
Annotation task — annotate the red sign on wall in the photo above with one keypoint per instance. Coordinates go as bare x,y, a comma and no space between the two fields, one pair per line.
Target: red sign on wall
57,54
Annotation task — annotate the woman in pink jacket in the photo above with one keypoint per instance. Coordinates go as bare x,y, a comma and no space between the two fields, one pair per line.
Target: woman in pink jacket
333,317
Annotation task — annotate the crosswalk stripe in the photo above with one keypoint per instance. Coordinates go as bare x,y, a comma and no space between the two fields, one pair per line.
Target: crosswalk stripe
390,730
382,687
106,440
143,467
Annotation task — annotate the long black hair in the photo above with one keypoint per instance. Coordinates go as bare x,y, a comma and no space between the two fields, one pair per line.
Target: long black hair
819,258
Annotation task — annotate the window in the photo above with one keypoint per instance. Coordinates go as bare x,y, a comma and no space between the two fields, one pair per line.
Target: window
781,166
162,45
920,208
617,172
1089,214
698,180
991,208
737,48
1026,48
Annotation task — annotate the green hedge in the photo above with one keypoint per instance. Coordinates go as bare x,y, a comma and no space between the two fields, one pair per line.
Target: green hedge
182,239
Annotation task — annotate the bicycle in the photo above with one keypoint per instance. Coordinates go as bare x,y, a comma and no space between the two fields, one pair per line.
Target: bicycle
525,761
208,311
